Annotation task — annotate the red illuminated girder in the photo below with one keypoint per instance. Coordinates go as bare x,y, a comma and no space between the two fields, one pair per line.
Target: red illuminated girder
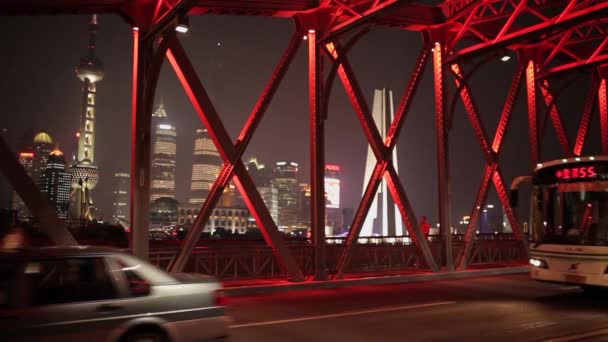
603,106
491,170
565,19
231,154
317,165
586,117
383,152
37,204
556,118
442,156
355,15
532,112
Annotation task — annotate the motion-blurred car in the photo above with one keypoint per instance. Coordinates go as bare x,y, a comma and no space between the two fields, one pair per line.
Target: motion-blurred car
100,294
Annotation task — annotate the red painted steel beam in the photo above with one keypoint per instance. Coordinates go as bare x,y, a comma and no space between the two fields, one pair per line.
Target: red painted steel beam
37,204
374,10
586,117
480,200
569,67
355,229
317,151
532,113
490,154
407,213
442,156
566,21
556,118
603,106
383,157
504,199
206,111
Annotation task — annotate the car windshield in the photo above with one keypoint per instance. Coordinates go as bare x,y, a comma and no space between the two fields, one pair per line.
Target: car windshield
572,213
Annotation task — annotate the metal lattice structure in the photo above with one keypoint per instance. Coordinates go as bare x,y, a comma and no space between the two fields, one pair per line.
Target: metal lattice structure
551,37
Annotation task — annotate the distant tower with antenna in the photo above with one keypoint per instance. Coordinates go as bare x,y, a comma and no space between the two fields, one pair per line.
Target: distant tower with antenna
84,172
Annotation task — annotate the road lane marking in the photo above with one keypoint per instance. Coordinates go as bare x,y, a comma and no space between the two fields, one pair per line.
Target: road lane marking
343,314
569,288
579,336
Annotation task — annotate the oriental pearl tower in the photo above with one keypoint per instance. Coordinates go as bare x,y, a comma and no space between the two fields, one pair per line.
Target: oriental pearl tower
84,172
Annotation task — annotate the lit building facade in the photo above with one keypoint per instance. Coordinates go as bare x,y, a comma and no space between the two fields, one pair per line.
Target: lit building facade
286,182
56,183
163,156
383,218
26,159
333,214
121,203
231,219
84,172
43,145
270,195
205,167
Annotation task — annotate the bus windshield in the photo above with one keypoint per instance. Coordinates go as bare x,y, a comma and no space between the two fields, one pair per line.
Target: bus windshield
571,213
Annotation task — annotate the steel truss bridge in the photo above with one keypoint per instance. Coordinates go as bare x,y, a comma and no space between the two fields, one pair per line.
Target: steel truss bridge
550,37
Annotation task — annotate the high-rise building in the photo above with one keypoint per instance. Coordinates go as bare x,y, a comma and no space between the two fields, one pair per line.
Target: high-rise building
85,173
205,167
43,145
286,182
56,183
260,174
270,195
383,217
26,159
122,187
333,215
163,156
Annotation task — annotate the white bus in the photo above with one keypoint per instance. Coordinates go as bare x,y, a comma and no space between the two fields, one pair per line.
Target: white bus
569,222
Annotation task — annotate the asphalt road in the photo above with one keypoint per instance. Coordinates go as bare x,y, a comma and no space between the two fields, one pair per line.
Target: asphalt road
495,308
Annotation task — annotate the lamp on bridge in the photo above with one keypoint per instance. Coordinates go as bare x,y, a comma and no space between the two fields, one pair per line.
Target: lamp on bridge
182,24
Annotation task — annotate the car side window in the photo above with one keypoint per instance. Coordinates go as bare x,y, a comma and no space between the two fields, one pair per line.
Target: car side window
69,280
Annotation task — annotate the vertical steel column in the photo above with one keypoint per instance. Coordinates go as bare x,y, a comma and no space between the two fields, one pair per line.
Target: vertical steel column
532,112
32,197
140,151
317,158
586,117
603,105
442,158
147,61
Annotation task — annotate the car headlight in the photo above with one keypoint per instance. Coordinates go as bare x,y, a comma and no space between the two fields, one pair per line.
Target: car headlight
540,263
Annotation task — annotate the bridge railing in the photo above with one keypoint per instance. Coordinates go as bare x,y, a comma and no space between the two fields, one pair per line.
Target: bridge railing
238,260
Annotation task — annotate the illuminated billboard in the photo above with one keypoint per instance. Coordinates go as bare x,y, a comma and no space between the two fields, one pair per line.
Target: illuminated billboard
332,188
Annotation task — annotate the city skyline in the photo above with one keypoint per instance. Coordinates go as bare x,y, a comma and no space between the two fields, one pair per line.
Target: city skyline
234,77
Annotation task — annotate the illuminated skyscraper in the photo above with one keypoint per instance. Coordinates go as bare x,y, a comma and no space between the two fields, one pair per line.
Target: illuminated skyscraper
286,182
383,217
163,155
26,159
334,218
205,167
43,145
122,185
56,182
85,173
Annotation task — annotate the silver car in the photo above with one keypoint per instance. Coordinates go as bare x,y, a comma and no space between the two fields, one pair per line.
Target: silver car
100,294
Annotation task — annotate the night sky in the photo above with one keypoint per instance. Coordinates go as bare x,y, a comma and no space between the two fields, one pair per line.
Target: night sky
234,57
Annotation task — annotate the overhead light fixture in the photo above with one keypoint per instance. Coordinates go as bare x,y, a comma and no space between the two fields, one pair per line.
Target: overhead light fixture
182,24
505,58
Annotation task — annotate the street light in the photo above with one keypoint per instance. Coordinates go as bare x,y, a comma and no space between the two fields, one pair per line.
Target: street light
505,58
182,24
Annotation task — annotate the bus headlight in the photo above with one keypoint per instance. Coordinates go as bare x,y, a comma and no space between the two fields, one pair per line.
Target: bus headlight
540,263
